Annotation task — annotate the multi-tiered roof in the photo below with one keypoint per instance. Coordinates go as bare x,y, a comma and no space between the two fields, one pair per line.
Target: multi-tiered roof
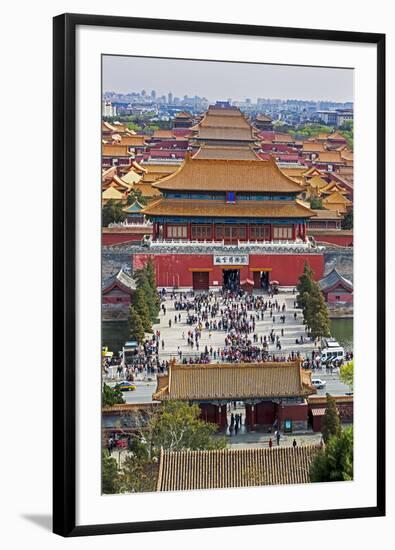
225,125
202,177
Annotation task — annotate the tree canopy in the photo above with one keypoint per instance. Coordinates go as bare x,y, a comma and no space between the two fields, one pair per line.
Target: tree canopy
110,478
347,374
316,203
311,299
111,396
335,461
173,427
331,421
112,213
136,326
348,220
180,427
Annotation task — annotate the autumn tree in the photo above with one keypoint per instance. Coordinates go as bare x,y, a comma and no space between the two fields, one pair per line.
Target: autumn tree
179,427
347,374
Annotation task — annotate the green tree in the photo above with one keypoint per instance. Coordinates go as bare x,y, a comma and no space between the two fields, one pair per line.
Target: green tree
139,474
136,326
331,421
145,280
140,302
112,213
151,278
348,220
111,482
179,427
135,195
304,286
316,313
335,461
111,396
347,374
316,203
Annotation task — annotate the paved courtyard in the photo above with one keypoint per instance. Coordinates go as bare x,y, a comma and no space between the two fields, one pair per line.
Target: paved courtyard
175,337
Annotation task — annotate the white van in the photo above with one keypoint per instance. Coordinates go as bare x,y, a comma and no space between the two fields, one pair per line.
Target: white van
331,351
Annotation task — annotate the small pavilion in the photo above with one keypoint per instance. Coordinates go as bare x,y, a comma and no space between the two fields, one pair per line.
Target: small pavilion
336,288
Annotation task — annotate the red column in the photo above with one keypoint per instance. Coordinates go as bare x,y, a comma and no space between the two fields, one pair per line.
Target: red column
189,232
304,231
213,231
271,232
248,415
293,232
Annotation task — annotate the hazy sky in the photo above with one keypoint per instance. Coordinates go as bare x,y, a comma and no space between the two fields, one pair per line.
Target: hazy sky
221,80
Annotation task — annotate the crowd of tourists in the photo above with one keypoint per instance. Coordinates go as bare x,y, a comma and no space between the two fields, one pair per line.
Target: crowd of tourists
233,313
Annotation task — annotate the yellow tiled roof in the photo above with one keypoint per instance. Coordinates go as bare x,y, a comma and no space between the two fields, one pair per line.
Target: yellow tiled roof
220,469
226,133
147,190
131,141
242,209
332,187
318,182
234,381
131,177
229,175
310,146
232,153
336,198
112,194
219,121
109,150
329,156
164,134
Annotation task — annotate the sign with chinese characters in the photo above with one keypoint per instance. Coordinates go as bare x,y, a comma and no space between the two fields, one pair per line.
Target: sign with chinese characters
233,259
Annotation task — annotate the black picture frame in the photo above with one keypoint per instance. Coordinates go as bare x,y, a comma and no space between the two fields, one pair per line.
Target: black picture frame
64,272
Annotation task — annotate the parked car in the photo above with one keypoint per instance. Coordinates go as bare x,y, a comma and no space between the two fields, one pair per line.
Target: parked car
125,386
318,383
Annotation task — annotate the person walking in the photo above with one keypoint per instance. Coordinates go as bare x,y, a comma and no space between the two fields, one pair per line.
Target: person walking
294,444
270,443
278,436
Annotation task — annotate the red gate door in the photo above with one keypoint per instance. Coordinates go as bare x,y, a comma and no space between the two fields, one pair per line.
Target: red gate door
200,280
257,279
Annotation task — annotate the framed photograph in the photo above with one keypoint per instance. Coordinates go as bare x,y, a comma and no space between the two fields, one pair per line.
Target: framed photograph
219,268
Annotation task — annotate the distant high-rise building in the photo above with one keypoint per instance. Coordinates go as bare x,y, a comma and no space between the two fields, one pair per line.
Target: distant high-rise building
169,97
143,93
108,109
153,94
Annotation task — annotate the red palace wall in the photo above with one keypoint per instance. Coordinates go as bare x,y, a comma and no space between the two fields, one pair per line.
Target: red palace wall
117,238
292,412
346,297
114,235
175,270
332,238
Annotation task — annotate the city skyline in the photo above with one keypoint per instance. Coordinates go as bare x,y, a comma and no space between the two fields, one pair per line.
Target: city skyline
238,80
